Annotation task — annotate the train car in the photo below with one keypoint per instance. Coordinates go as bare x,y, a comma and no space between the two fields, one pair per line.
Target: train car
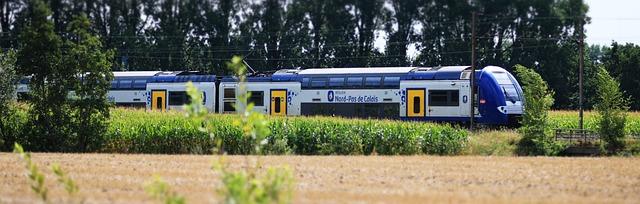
168,91
406,93
22,89
129,89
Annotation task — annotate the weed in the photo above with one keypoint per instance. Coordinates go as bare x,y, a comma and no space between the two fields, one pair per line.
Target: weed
36,178
160,190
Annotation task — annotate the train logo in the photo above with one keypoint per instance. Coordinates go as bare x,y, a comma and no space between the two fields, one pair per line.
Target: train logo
330,96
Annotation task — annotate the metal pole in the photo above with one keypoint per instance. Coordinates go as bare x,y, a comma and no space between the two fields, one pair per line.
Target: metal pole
581,72
473,70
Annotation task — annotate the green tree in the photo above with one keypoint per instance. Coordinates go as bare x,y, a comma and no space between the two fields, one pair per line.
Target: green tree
8,82
40,56
611,108
622,62
538,100
90,105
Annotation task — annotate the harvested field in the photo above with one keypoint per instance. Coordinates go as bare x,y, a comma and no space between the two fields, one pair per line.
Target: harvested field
117,178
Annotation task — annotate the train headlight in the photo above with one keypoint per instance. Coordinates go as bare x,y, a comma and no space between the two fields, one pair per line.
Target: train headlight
502,109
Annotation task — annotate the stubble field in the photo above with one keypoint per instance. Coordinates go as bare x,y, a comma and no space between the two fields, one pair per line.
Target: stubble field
120,178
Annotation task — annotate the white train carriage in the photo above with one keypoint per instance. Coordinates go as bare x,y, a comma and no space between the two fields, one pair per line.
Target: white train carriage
168,91
268,96
129,89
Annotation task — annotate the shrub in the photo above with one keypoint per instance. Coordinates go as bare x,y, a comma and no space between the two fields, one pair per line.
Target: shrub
538,100
611,107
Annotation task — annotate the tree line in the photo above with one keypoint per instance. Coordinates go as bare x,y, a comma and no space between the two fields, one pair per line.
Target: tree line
272,34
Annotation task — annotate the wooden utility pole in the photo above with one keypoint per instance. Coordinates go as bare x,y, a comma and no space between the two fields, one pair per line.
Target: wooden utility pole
472,80
581,44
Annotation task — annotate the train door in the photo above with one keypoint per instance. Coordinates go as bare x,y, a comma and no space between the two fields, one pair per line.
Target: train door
278,102
158,100
465,99
415,102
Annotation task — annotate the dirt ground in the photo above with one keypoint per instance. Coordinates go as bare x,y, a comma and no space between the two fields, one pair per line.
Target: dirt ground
118,178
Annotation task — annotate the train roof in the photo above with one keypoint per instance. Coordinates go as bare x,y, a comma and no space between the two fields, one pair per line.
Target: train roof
406,73
370,70
136,73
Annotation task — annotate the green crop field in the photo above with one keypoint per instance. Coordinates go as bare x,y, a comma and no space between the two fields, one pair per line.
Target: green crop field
569,119
138,131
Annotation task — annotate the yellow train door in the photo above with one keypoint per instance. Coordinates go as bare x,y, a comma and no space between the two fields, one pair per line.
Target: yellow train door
158,100
278,102
415,102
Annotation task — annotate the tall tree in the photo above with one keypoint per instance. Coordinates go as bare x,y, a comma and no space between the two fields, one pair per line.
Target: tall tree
623,62
93,66
400,27
40,56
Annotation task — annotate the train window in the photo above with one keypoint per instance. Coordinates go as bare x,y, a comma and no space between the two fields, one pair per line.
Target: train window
114,84
502,77
336,82
444,98
229,93
391,82
125,84
510,92
178,98
373,82
229,106
305,82
159,103
416,104
257,98
277,104
354,82
318,83
140,84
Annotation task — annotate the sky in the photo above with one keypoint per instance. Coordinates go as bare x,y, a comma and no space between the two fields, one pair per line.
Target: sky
617,20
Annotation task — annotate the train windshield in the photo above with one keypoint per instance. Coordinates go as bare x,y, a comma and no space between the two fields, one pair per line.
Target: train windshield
507,86
510,92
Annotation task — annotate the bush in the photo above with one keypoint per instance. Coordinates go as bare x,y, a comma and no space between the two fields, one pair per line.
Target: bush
611,107
536,139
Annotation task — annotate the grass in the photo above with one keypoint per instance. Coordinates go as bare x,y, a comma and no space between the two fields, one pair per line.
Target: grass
492,143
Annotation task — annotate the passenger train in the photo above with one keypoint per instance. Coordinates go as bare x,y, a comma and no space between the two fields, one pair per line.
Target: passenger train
407,93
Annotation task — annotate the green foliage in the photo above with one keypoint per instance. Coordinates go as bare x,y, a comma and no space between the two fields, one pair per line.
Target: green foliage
239,186
538,100
87,59
611,108
36,178
275,186
63,120
40,56
8,80
64,180
493,143
160,190
622,62
9,127
138,131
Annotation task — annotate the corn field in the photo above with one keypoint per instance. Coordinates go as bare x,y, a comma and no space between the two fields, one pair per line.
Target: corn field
136,131
569,120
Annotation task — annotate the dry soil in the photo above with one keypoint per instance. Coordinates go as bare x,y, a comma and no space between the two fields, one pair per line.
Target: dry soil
119,178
